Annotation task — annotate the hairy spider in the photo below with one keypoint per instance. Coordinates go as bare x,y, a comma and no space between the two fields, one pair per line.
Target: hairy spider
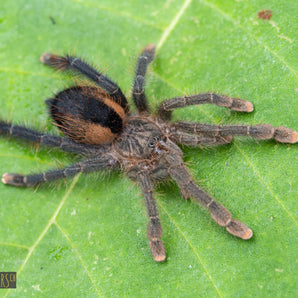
99,126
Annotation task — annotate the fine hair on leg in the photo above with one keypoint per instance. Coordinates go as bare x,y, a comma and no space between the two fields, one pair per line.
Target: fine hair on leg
64,144
85,166
138,91
236,104
154,230
78,65
260,131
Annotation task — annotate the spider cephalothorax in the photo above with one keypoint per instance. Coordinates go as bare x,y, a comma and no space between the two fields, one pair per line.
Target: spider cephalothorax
99,126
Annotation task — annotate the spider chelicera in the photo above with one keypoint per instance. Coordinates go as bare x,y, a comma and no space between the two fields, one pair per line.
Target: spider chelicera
99,126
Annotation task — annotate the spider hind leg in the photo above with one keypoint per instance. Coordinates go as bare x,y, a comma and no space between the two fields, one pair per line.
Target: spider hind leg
219,213
154,229
86,166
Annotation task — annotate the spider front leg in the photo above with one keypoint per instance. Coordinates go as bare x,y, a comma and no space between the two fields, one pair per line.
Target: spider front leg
225,132
236,104
189,189
138,91
86,166
31,135
154,230
78,65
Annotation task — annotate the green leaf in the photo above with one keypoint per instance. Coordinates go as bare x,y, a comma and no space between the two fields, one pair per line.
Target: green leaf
87,237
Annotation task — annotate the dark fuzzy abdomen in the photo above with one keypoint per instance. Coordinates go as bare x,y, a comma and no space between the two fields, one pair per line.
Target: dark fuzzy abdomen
86,114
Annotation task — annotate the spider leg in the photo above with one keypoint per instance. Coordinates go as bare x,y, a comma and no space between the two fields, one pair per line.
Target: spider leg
189,189
236,104
138,91
78,65
261,131
154,230
184,138
65,144
86,166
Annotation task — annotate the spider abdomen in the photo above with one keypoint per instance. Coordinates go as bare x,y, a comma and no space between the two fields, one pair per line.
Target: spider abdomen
87,115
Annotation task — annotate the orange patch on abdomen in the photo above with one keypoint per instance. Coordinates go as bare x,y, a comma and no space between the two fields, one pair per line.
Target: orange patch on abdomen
115,106
96,134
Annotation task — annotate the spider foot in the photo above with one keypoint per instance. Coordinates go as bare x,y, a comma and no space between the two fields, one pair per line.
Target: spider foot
149,51
267,131
157,250
54,60
13,179
239,229
45,58
241,105
285,135
224,218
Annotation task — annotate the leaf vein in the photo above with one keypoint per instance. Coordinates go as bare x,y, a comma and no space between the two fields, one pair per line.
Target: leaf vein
265,184
79,256
192,248
15,245
49,224
25,72
172,25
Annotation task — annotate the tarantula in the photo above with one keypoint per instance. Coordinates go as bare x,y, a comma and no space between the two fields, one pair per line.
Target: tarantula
98,125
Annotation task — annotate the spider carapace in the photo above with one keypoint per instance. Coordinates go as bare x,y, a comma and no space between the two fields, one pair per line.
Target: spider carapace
99,126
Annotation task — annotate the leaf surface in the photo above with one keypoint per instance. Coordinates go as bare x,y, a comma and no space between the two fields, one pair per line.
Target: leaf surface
87,237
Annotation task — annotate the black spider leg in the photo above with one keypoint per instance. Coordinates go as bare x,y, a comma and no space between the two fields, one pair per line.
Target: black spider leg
188,188
205,133
236,104
65,144
154,230
85,166
138,91
78,65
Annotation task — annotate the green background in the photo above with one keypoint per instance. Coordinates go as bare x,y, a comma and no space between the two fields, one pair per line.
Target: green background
87,236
